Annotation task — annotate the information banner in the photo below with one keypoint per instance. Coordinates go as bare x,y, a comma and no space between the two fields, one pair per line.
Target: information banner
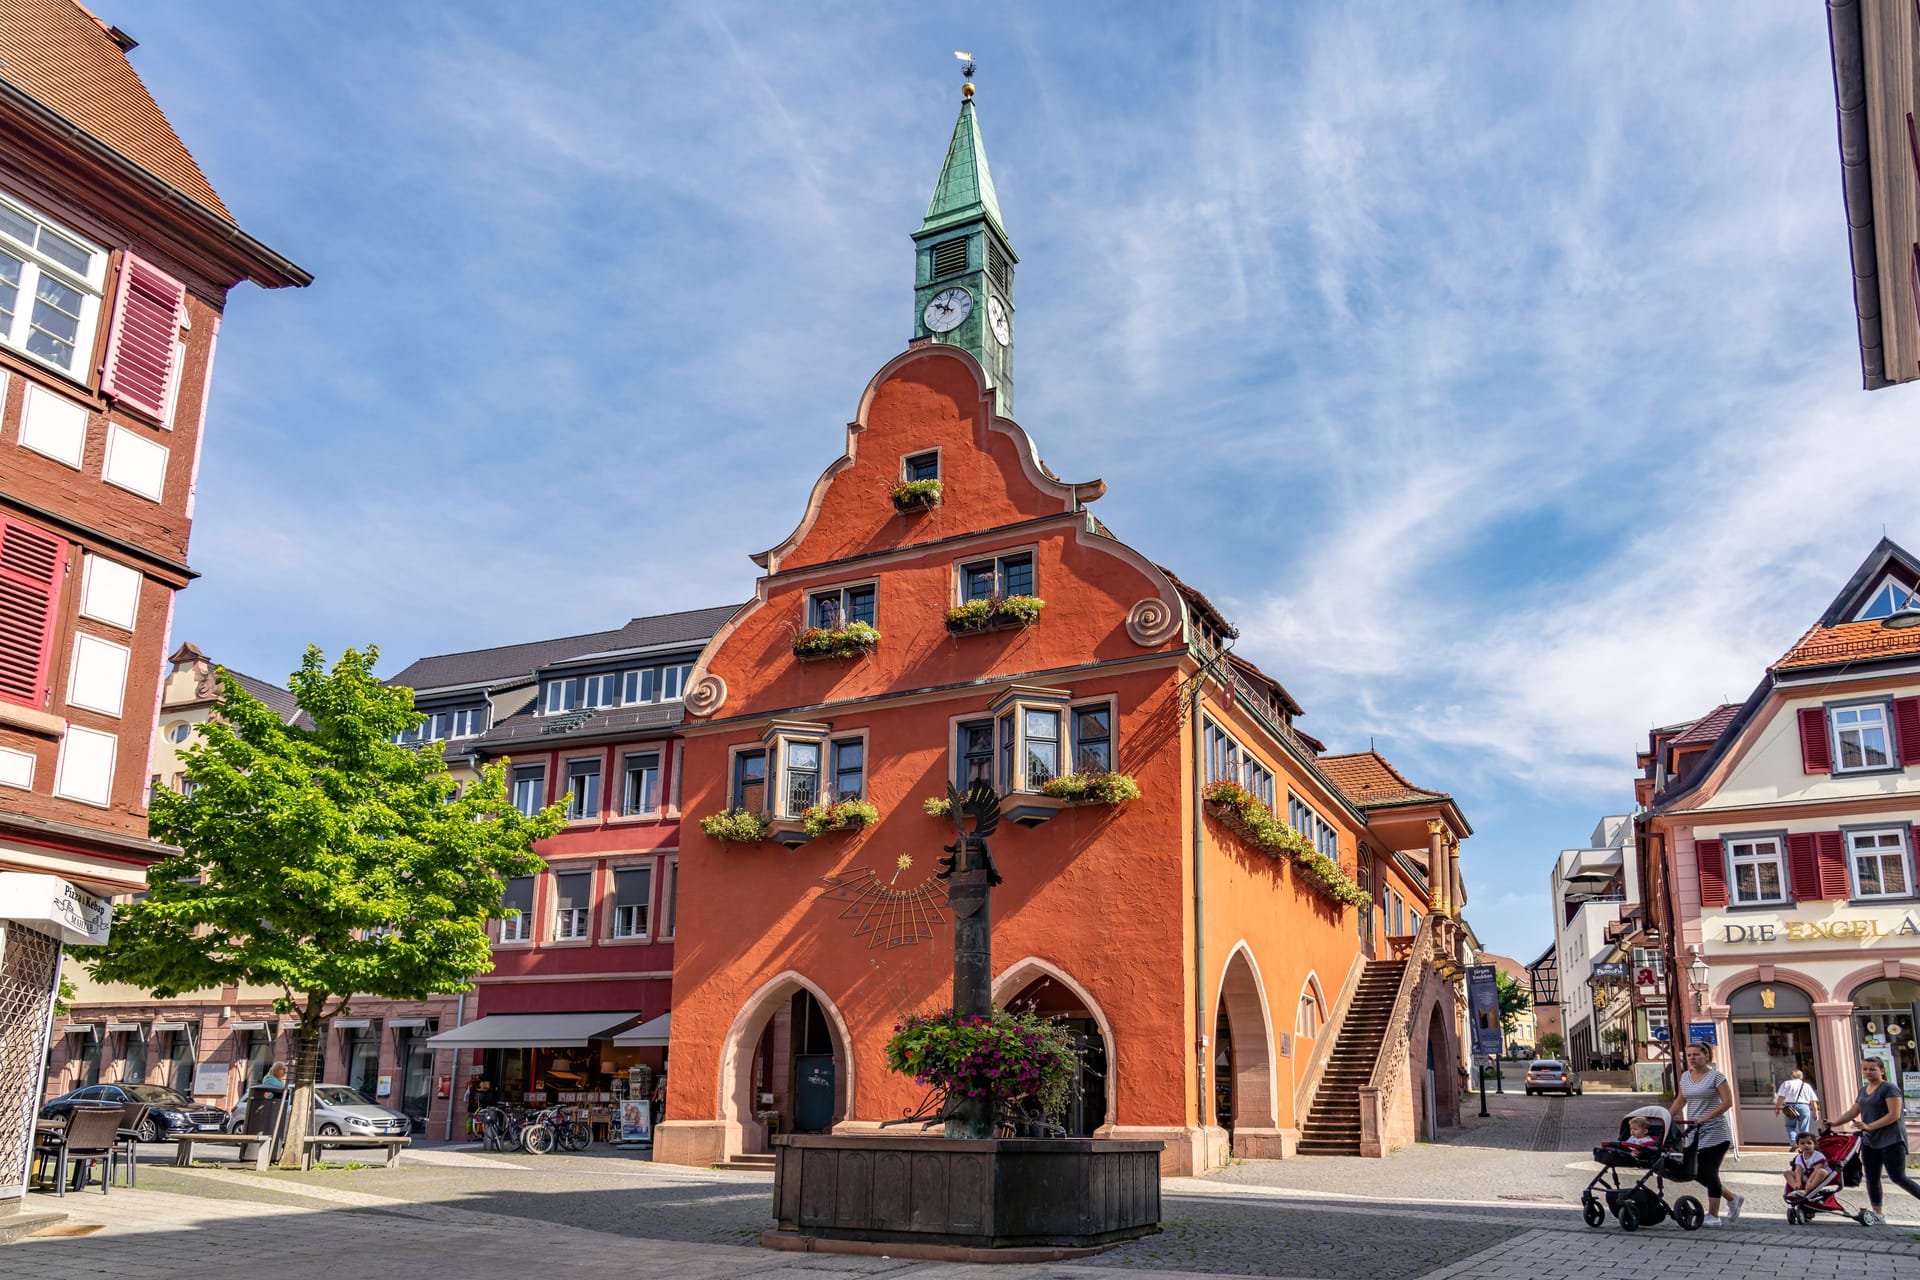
1703,1033
1483,998
1910,1085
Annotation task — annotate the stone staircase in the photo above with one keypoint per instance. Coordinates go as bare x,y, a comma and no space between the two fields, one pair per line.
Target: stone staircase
1333,1122
749,1163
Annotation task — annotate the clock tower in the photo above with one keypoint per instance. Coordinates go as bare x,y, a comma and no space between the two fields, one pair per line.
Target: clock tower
963,264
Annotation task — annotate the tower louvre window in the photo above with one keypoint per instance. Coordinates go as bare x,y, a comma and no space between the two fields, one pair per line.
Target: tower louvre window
949,258
998,269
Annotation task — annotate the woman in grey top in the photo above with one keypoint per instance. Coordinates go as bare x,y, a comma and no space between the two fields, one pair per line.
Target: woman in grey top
1884,1130
1709,1096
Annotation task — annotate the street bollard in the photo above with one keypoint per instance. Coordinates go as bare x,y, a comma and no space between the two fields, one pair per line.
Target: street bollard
1499,1079
1483,1091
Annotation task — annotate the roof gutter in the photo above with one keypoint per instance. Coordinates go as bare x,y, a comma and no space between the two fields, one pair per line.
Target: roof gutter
265,267
1856,183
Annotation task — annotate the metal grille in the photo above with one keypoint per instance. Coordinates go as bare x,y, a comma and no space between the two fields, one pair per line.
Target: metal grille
28,963
998,269
950,258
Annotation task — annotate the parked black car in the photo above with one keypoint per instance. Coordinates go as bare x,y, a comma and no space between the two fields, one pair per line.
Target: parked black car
170,1113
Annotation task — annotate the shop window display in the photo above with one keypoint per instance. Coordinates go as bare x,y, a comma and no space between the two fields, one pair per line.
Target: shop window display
1884,1024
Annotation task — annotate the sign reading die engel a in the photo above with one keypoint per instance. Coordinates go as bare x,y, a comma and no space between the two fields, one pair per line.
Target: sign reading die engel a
1839,929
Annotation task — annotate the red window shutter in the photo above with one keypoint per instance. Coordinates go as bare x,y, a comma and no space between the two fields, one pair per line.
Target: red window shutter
1906,729
1816,748
33,566
1713,872
1803,864
1830,850
146,320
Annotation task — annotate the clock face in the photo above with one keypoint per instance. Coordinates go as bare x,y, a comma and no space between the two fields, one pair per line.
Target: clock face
997,321
948,309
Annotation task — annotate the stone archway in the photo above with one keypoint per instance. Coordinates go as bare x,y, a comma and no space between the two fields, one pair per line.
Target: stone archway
1244,1060
758,1059
1051,990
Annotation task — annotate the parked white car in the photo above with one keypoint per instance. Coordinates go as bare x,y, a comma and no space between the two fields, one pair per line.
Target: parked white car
338,1110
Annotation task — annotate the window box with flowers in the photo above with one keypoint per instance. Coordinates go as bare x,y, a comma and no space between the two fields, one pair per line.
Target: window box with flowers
937,807
1246,815
739,826
855,640
997,613
916,496
845,815
1092,788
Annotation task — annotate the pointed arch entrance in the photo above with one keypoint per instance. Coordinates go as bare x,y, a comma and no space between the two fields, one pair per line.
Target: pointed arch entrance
1046,988
786,1067
1244,1097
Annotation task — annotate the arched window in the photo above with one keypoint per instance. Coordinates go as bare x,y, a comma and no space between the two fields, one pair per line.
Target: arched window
1313,1011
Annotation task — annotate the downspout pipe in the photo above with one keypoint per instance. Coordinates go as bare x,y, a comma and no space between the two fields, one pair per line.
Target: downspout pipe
1201,1031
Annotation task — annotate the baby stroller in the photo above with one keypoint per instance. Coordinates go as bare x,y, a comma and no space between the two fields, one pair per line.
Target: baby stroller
1643,1203
1842,1151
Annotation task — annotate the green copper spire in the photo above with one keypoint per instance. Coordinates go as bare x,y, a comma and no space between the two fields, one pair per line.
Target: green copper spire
965,190
963,262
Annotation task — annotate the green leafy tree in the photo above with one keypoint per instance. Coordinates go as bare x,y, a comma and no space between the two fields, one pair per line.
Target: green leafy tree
325,863
1551,1045
1515,1000
65,996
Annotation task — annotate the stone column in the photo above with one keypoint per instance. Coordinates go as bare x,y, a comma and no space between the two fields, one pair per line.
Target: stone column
1439,877
1456,889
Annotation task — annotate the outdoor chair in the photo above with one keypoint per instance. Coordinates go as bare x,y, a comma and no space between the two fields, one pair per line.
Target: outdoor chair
91,1137
132,1116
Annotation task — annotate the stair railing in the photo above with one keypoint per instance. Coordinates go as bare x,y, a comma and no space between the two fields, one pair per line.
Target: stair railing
1395,1046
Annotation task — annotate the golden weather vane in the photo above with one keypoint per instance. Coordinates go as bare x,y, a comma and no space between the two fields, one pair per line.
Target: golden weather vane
966,71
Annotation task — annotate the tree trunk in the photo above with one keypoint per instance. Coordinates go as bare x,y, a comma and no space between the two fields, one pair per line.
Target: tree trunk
313,1031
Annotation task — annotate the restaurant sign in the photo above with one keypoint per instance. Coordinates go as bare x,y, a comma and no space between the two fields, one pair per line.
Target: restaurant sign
48,904
1857,929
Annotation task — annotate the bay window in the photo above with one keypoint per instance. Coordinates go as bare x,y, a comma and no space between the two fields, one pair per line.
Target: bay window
1042,732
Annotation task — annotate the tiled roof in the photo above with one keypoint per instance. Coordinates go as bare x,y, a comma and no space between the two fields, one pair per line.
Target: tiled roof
1706,731
539,732
57,52
487,666
1849,642
1368,780
1201,603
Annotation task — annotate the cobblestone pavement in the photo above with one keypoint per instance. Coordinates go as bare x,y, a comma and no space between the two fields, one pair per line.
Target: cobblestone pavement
1485,1205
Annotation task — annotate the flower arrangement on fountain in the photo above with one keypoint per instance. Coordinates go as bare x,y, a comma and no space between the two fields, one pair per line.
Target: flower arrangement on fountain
1247,814
845,815
1009,1057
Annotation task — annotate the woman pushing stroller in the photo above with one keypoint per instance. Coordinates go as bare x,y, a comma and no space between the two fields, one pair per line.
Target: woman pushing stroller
1883,1132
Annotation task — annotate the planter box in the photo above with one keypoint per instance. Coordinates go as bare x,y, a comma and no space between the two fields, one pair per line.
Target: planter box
913,506
1018,1193
833,655
992,622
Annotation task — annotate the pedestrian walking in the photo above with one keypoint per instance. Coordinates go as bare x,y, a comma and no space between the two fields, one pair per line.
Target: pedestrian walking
1884,1148
1709,1096
1796,1103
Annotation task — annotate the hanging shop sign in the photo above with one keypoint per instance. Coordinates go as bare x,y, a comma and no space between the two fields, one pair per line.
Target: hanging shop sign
48,904
1851,929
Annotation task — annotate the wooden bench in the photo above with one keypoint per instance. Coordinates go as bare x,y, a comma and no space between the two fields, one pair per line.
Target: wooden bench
261,1144
311,1147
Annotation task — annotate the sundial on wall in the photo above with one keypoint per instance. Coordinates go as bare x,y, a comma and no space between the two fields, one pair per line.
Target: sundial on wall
886,915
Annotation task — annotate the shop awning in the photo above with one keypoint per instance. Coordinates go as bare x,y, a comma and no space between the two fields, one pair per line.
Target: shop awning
89,1029
352,1024
248,1024
397,1024
650,1034
534,1031
175,1026
139,1027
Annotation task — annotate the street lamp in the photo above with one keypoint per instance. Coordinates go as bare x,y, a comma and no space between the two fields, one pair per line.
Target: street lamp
1697,976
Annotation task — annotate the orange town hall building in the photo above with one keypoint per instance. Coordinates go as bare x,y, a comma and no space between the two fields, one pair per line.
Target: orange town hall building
1230,992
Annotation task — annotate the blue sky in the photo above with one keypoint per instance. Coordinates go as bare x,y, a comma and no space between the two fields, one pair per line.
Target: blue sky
1491,365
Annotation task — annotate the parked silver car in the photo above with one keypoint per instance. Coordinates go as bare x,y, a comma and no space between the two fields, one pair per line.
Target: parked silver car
338,1110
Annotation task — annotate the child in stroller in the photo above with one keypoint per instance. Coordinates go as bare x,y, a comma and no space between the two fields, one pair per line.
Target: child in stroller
1652,1143
1820,1167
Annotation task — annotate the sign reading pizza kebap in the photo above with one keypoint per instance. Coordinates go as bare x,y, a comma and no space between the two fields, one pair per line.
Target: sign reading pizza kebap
1847,929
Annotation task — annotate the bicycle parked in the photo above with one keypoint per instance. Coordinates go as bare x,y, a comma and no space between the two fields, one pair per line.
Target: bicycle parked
556,1127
